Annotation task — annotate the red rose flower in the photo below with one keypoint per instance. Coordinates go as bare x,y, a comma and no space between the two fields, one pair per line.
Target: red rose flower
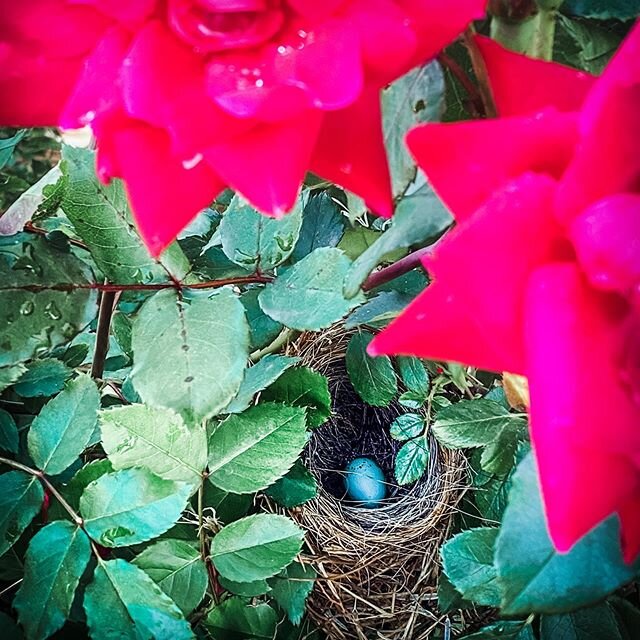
542,275
188,96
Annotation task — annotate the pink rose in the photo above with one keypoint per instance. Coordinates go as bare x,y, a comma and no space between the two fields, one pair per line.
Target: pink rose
186,97
550,214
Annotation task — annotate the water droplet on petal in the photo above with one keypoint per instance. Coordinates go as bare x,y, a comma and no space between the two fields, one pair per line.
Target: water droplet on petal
192,163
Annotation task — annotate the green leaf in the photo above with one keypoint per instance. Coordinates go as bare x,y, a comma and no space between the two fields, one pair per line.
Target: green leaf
468,562
250,451
101,216
256,547
416,98
308,295
9,439
8,146
482,423
205,340
83,478
587,45
9,629
245,589
36,312
43,378
55,561
228,506
504,630
262,329
628,617
259,377
303,387
603,9
155,438
448,598
123,602
294,489
533,576
8,375
177,568
407,229
414,375
62,430
255,241
374,379
21,498
407,425
131,506
234,619
379,311
291,588
357,239
594,623
323,225
411,461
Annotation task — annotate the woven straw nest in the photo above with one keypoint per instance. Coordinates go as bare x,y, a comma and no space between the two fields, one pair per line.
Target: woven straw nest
378,568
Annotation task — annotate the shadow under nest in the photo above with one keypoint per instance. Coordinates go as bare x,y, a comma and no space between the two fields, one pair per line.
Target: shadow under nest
377,568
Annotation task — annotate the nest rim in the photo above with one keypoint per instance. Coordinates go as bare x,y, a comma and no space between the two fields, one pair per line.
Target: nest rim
378,568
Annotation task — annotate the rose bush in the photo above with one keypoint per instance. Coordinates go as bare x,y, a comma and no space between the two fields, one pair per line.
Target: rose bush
186,97
552,217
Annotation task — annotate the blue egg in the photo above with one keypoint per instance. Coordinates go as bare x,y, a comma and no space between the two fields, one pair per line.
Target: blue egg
365,482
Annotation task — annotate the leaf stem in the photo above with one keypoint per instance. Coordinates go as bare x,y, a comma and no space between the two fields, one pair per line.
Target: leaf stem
285,336
48,486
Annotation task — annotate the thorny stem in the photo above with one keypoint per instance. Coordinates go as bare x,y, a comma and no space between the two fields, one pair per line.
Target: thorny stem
107,304
95,286
480,71
48,486
397,269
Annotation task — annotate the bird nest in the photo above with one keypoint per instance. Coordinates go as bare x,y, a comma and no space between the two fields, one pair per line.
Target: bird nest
377,568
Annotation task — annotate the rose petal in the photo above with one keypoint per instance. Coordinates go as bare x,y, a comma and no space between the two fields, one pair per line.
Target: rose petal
42,45
98,89
127,11
466,162
268,164
437,325
584,438
607,160
164,85
629,514
350,152
437,23
523,85
607,241
509,237
164,195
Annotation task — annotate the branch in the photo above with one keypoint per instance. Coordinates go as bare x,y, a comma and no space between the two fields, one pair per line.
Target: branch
48,486
114,288
107,304
480,70
397,269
